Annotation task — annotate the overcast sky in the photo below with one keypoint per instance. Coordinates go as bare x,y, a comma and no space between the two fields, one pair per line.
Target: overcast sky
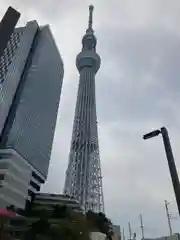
137,88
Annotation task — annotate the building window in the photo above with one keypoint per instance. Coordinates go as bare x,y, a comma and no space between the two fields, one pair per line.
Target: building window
34,185
1,176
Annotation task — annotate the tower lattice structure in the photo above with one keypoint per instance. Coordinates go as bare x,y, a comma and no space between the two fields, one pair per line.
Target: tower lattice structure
83,176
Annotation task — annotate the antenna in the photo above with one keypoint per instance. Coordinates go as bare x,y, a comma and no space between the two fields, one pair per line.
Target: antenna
168,217
91,8
142,226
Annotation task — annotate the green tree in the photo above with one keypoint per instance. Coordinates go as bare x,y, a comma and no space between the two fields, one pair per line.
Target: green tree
68,225
61,212
99,221
80,225
39,228
11,208
74,228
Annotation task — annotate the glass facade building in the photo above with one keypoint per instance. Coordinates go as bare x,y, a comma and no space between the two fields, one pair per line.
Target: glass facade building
30,91
12,64
7,26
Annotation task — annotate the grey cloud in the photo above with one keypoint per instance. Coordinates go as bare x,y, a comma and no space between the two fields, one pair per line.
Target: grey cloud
144,77
47,9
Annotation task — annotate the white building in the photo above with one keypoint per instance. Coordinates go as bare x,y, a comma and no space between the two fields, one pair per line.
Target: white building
97,236
116,232
18,179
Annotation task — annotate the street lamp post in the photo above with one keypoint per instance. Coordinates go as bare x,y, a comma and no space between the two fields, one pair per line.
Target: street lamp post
170,159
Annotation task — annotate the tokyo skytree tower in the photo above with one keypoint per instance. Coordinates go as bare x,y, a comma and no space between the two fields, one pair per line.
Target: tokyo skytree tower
83,176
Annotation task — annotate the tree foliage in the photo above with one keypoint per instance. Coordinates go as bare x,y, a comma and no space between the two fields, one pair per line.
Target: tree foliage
67,224
61,212
11,208
99,221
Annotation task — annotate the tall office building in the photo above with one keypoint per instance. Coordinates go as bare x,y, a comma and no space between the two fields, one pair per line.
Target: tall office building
7,26
12,65
31,75
83,176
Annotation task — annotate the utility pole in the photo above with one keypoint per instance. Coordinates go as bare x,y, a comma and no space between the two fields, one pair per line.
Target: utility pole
134,236
142,226
168,217
130,231
123,236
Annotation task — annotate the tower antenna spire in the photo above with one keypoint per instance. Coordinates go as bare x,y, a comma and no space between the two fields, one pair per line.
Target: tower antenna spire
91,8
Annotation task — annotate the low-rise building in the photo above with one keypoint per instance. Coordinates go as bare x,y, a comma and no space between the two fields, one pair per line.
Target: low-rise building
116,232
18,179
48,201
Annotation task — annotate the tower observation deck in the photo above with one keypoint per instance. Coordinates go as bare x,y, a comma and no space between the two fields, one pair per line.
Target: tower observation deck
83,176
